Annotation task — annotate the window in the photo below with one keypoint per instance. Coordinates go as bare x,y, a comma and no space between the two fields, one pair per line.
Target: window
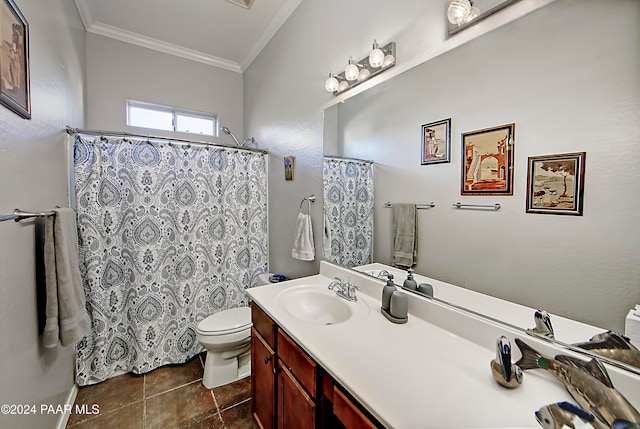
165,118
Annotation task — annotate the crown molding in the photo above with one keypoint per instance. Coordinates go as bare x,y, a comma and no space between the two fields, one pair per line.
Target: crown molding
99,28
278,21
85,15
161,46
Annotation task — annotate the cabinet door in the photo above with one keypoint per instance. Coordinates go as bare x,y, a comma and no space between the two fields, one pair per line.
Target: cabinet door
296,409
346,411
262,381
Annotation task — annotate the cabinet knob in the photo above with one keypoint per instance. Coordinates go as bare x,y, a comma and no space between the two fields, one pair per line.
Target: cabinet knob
267,359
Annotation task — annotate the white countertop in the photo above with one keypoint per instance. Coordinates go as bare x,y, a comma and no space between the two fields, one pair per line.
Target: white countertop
432,372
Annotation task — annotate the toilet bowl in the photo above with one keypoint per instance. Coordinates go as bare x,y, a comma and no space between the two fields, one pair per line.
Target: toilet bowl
227,337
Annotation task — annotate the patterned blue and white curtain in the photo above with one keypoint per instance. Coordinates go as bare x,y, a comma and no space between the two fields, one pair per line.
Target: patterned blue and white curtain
168,235
348,209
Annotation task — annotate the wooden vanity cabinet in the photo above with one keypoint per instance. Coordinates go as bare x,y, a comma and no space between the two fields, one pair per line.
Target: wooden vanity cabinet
263,369
289,390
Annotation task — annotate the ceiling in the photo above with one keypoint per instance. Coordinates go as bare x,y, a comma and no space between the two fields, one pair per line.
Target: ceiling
215,32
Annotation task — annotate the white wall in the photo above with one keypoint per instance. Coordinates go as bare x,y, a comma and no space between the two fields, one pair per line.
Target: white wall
34,177
569,84
117,71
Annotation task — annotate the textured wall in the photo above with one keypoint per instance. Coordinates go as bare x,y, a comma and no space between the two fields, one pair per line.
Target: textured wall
117,71
34,177
577,93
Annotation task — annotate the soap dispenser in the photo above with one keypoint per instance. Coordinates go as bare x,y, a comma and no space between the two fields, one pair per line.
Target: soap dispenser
387,291
409,282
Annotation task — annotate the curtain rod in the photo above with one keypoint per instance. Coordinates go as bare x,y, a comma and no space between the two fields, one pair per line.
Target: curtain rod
346,158
71,130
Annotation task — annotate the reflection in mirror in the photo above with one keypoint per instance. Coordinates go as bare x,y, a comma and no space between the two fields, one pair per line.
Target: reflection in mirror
567,267
463,14
610,347
348,211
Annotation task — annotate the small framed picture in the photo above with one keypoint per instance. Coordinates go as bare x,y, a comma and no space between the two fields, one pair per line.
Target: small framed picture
289,164
436,142
487,161
14,60
555,184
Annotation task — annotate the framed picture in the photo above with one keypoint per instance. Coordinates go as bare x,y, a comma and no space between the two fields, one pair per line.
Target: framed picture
487,161
289,163
555,184
14,60
436,142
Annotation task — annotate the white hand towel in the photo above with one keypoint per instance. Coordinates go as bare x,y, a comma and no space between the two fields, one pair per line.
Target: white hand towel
326,239
67,318
303,247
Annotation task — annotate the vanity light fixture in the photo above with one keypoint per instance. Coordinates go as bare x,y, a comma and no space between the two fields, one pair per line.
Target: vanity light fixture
462,11
351,71
356,72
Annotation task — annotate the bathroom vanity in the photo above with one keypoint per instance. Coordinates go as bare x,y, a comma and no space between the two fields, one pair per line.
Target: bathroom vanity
319,360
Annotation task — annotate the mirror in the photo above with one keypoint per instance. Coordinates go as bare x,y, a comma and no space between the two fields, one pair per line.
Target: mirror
556,84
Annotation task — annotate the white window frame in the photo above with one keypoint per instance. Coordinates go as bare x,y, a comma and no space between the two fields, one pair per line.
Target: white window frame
175,112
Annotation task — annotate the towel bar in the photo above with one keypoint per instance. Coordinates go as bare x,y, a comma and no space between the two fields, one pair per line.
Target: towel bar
19,215
495,206
418,206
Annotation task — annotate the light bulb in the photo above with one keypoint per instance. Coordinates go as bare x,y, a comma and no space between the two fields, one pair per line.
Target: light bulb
473,13
388,60
351,71
331,85
343,85
458,11
364,73
376,57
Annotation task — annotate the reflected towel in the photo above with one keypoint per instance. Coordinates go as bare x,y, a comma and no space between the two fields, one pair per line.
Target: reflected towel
303,247
404,235
66,315
326,239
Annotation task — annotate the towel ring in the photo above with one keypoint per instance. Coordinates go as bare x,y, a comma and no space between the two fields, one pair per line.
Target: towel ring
310,199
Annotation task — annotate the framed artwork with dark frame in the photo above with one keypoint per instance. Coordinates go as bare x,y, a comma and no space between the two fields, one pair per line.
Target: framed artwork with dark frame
436,142
555,184
487,161
14,60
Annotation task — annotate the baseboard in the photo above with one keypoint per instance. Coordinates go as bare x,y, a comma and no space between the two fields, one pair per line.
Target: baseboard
71,399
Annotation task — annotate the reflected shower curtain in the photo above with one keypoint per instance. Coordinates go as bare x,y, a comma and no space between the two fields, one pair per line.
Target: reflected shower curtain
348,209
168,235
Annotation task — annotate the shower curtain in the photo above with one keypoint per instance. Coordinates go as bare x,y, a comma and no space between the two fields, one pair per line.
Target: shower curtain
168,235
348,208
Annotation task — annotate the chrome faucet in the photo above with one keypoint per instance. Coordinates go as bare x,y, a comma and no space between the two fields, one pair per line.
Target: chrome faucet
344,290
383,273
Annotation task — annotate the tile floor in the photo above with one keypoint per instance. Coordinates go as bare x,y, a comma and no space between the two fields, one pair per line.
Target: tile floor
169,397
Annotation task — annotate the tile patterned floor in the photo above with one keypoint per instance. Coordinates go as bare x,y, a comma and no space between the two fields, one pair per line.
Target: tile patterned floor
172,396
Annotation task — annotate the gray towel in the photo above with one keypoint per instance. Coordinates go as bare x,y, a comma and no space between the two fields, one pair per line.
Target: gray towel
67,318
404,235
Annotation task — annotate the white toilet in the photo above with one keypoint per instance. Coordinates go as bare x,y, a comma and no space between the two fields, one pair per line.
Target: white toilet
227,337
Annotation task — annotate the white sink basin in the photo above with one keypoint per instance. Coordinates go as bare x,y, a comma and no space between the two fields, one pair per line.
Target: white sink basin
316,304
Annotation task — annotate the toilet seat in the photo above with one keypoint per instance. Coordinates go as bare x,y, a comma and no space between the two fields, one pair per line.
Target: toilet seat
226,322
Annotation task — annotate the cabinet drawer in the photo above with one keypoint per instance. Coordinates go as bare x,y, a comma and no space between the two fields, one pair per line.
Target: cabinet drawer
264,325
347,412
297,361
